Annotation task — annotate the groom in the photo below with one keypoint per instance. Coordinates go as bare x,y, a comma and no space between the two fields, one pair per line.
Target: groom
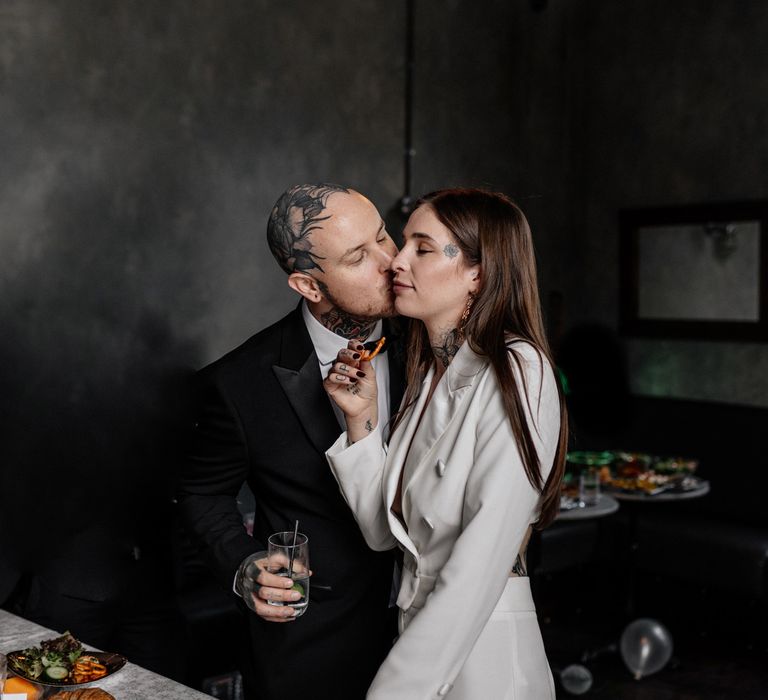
264,419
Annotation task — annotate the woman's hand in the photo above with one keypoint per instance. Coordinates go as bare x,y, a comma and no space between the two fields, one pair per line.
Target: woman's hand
351,383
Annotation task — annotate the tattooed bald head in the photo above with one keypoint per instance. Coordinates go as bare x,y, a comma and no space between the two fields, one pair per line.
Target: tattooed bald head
334,246
297,214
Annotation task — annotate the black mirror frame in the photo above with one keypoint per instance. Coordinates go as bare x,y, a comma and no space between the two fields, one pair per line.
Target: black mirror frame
630,223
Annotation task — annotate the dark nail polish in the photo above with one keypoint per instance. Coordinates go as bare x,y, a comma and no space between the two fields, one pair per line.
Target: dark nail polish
361,374
356,356
352,381
360,347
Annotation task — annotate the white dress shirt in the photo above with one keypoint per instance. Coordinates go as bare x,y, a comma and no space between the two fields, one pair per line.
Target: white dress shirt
327,345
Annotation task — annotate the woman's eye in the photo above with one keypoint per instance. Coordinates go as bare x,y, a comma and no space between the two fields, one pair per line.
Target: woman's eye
422,251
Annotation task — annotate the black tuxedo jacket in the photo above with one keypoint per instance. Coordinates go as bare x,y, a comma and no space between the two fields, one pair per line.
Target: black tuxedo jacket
265,418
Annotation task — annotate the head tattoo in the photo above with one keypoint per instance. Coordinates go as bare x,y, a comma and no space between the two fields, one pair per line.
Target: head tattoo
295,216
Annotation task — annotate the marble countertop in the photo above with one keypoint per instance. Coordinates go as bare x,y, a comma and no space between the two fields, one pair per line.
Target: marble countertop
132,682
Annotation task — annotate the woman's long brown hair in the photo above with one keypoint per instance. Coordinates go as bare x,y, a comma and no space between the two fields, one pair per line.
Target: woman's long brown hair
492,231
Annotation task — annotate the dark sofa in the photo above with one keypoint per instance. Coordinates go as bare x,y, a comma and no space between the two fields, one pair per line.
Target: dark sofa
719,541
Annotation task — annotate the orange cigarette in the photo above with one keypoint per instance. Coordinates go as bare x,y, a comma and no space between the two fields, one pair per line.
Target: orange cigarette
368,356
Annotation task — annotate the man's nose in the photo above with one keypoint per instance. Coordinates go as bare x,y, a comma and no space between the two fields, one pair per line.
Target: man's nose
386,258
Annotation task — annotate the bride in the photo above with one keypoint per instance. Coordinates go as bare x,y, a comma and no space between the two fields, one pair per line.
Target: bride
475,458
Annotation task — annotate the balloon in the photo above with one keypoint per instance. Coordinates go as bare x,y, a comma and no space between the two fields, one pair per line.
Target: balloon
576,679
646,647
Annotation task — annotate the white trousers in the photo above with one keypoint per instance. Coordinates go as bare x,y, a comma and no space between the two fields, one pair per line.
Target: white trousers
508,661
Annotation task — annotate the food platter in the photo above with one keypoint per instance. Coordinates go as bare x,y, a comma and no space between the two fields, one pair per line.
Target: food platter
63,663
644,475
692,488
113,663
631,476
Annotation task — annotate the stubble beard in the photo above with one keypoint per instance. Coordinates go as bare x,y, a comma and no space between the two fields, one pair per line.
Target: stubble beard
350,324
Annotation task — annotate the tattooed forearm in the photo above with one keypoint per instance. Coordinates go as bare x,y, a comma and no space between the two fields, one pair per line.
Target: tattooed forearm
447,347
341,323
295,216
451,250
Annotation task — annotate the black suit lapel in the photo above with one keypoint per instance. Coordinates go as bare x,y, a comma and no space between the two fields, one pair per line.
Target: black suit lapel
299,376
396,360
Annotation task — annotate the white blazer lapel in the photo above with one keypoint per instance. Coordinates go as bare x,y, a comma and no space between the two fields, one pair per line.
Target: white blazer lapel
444,405
396,456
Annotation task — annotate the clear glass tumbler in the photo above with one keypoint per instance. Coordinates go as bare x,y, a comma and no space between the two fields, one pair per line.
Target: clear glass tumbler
589,487
288,558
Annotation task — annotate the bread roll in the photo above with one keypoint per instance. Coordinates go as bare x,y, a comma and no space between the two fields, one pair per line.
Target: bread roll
82,694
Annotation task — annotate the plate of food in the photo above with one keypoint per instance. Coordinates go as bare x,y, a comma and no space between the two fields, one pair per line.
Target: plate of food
642,474
63,662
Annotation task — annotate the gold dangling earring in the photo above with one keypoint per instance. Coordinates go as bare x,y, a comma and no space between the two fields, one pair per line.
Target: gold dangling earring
465,315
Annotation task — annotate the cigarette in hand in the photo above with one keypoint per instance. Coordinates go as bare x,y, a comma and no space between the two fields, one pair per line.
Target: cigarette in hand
367,356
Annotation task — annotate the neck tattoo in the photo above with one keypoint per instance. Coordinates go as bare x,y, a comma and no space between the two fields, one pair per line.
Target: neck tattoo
447,347
341,323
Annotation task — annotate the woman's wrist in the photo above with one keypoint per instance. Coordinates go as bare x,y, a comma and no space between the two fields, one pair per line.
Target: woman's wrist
361,426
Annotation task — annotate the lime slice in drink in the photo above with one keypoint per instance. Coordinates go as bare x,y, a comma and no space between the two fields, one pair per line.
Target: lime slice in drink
298,587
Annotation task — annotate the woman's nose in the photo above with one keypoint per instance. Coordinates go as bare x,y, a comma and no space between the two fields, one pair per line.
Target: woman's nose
398,263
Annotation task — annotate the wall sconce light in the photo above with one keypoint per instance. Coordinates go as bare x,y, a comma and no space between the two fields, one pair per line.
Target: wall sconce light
724,239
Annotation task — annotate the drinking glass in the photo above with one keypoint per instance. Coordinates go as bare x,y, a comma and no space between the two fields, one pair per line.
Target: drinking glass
288,558
589,487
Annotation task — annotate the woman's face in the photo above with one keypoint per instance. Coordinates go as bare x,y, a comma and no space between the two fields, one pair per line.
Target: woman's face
432,280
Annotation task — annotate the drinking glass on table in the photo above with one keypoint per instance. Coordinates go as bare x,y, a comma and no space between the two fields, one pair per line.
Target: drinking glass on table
286,557
589,487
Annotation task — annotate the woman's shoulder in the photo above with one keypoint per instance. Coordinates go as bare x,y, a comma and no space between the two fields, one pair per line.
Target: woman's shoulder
532,366
526,351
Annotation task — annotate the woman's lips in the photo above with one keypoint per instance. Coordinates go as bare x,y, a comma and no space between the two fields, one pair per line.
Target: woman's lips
398,287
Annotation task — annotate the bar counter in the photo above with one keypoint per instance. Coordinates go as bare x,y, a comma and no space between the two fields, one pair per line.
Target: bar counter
132,682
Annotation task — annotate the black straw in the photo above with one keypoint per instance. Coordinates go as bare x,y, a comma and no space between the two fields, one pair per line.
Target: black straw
293,549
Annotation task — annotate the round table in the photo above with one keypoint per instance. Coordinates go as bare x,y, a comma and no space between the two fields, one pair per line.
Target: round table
606,505
700,489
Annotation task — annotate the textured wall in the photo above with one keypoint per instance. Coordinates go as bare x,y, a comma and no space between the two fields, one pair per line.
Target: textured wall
676,103
497,92
143,145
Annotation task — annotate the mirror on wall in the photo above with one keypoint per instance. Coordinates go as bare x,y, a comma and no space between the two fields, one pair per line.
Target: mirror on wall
695,271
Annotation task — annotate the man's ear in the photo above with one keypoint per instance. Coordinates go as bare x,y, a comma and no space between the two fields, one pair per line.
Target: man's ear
306,285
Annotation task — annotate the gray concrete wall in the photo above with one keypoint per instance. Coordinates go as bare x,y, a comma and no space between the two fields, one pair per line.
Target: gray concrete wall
676,103
142,147
144,143
498,89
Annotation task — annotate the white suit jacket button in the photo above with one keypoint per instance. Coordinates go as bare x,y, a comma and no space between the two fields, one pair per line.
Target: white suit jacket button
440,467
444,690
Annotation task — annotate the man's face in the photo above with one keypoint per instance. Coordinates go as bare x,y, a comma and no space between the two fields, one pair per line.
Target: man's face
355,254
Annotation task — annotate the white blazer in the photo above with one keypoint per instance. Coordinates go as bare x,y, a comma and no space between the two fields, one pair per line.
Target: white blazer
467,504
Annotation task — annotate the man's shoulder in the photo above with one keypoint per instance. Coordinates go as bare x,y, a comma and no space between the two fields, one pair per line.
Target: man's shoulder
261,350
